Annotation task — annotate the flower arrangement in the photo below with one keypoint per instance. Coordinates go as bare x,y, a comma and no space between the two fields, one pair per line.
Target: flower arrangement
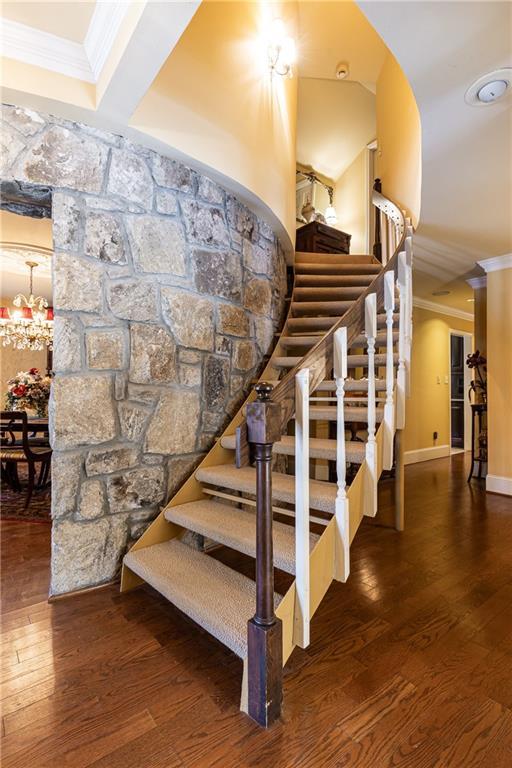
478,363
28,390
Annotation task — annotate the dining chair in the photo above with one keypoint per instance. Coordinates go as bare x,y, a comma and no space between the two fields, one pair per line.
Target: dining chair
14,451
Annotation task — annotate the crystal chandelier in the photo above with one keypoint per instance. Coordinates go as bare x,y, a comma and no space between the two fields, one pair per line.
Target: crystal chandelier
30,325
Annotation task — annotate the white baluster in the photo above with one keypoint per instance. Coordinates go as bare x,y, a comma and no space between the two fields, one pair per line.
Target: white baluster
342,545
371,445
402,323
389,407
301,627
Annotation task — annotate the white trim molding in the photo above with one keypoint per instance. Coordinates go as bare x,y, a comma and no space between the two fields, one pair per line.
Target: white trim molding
477,282
497,263
426,454
67,57
433,306
42,49
497,484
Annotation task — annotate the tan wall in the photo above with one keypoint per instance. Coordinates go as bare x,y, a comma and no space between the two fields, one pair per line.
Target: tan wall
398,138
428,408
350,201
499,372
480,309
221,106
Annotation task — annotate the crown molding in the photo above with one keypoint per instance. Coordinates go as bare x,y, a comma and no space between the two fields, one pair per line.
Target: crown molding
496,263
442,309
477,282
103,28
42,49
81,61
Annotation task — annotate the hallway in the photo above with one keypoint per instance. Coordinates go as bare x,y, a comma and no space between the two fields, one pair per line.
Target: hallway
410,662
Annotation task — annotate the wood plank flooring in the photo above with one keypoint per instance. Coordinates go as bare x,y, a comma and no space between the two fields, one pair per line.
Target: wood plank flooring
410,662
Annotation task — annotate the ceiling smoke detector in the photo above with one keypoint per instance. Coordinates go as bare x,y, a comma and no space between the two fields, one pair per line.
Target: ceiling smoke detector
490,88
342,71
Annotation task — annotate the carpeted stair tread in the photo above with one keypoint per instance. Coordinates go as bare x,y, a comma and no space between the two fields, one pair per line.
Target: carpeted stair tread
333,281
329,308
322,496
305,257
319,448
313,293
353,361
313,268
309,341
351,413
351,385
305,324
216,597
236,528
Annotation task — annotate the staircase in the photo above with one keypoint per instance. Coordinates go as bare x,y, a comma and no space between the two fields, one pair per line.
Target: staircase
339,371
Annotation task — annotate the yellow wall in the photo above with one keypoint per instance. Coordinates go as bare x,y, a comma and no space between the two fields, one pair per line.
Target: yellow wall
499,372
222,108
428,408
398,138
350,201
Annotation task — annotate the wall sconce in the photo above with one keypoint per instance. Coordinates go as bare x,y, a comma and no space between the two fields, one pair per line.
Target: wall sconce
280,50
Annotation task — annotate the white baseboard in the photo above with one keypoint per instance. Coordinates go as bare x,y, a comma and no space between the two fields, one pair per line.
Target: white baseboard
425,454
497,484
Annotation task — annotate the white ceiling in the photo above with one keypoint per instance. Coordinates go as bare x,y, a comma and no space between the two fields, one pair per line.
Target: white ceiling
335,121
24,239
467,151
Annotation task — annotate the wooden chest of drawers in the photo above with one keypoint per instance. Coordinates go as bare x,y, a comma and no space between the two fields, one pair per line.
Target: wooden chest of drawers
319,238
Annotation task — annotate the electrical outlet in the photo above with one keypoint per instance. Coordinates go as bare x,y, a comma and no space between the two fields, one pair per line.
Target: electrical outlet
438,379
435,435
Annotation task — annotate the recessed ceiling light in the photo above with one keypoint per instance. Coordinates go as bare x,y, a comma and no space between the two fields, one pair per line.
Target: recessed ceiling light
490,88
440,293
342,71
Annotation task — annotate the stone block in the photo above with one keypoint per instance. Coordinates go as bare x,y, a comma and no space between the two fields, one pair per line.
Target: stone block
222,345
218,273
256,258
105,349
67,345
66,221
145,395
179,469
216,380
210,192
152,355
120,385
170,173
213,421
190,356
133,300
158,244
166,202
77,284
174,425
244,355
65,158
91,503
83,411
130,178
205,225
258,297
190,318
26,121
190,375
11,146
132,420
86,553
66,473
136,489
264,333
104,239
236,385
240,218
104,461
232,320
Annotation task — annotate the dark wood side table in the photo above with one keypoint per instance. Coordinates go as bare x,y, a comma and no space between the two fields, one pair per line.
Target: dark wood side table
319,238
478,438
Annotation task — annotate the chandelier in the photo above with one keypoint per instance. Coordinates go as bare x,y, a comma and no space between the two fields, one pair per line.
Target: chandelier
30,325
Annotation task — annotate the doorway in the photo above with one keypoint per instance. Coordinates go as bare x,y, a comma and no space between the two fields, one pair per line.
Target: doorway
459,378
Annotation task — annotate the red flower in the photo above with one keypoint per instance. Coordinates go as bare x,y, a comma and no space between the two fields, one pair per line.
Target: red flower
34,371
19,391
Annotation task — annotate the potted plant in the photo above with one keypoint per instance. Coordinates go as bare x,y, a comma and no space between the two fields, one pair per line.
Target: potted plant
28,390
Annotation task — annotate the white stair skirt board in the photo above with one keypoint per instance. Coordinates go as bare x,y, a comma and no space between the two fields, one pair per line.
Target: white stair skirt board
497,484
426,454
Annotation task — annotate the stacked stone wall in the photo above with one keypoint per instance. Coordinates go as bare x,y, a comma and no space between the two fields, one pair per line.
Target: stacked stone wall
167,294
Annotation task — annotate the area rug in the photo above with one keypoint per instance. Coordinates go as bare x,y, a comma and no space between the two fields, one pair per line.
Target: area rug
12,503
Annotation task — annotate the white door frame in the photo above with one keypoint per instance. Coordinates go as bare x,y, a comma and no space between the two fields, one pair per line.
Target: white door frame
468,348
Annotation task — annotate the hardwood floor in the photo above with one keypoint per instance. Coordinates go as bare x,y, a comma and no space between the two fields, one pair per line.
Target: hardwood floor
410,662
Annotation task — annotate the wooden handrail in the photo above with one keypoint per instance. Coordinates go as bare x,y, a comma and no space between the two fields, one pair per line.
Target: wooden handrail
319,359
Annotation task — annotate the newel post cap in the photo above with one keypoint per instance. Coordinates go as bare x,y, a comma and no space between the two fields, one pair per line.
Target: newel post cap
263,416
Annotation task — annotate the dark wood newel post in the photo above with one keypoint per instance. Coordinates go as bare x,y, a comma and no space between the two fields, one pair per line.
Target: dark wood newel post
377,246
264,631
